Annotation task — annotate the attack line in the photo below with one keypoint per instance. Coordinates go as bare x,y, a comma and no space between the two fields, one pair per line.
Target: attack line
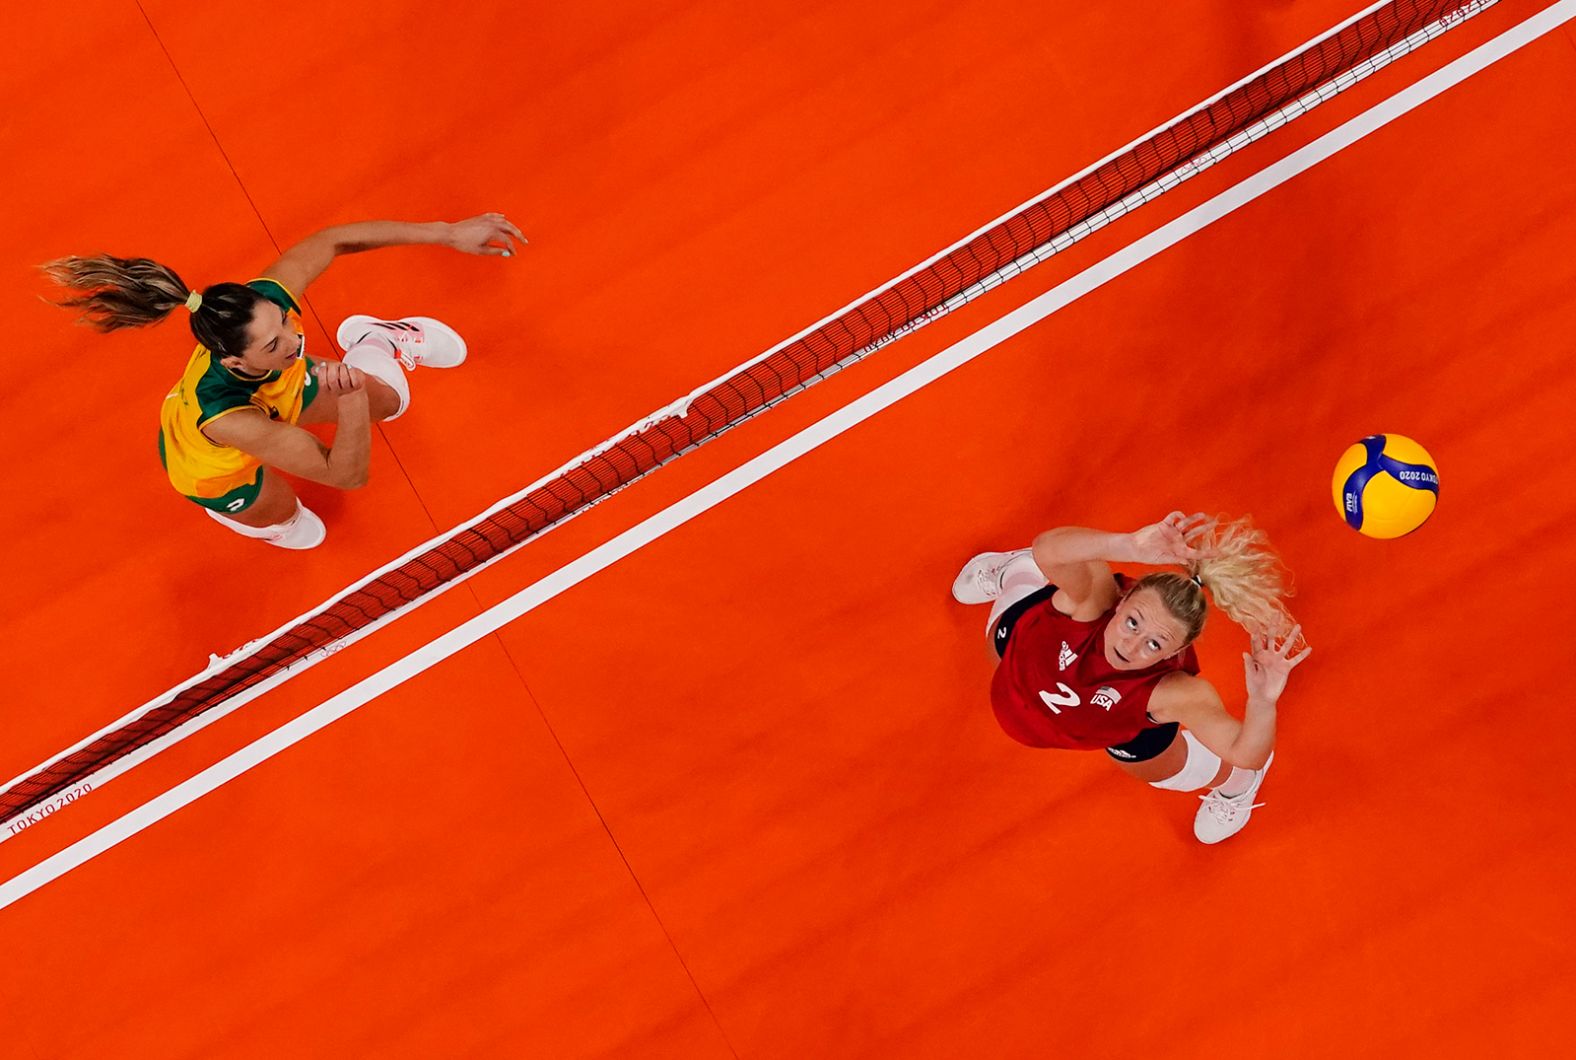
810,438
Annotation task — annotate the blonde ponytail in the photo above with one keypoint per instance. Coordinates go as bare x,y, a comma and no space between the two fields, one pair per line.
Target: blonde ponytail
1244,575
1239,570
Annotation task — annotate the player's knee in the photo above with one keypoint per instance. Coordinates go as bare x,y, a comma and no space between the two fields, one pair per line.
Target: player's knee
383,402
1197,771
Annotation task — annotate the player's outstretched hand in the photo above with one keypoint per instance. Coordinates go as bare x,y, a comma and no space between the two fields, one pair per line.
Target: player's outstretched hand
490,233
1269,664
1171,540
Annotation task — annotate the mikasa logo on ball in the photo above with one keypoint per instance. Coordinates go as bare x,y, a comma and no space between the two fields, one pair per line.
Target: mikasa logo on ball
1106,697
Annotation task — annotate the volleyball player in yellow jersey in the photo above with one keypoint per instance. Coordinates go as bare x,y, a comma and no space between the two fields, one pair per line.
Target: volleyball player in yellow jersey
235,417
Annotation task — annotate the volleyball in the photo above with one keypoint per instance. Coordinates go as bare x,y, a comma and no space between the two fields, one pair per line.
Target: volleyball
1385,486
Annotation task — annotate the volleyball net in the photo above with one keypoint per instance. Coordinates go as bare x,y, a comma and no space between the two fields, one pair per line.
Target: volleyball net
1040,228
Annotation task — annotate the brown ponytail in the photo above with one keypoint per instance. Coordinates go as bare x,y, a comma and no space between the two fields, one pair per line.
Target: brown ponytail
118,292
115,293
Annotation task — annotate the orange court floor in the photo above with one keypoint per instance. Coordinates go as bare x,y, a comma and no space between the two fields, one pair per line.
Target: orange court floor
741,794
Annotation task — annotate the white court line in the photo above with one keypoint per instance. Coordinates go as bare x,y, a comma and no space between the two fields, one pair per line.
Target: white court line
707,497
100,776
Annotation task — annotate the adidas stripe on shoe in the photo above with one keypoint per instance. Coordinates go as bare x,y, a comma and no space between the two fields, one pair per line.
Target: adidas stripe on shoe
417,341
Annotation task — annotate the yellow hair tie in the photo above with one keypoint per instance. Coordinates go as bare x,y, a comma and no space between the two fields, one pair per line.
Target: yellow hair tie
193,300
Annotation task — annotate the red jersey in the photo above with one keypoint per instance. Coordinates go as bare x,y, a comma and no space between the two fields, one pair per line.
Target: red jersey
1054,687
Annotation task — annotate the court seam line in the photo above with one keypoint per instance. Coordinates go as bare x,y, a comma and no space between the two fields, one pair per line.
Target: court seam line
805,441
213,135
497,638
677,408
268,233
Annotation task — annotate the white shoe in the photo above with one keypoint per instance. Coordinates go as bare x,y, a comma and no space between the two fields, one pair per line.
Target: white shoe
302,530
1223,816
417,341
979,582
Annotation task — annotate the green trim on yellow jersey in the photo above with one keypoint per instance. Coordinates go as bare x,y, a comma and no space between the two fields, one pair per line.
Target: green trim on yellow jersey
275,292
197,466
239,499
220,389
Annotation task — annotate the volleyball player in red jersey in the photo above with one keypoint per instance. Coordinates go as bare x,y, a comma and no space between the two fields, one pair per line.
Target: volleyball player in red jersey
1092,660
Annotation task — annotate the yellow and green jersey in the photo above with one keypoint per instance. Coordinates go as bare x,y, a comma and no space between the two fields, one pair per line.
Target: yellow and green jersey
207,390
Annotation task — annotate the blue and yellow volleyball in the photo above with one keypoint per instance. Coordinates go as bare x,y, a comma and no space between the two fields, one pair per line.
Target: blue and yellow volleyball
1386,486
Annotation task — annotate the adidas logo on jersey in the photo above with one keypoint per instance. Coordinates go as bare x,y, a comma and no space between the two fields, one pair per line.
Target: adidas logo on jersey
1106,697
1066,658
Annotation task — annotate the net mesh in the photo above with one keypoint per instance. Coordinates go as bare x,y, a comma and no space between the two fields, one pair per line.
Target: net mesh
825,349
